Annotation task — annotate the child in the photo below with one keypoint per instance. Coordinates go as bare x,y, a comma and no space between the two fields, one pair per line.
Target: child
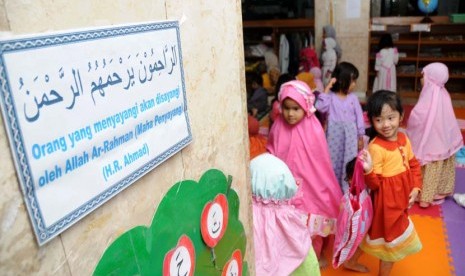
278,250
344,125
256,140
258,100
329,59
393,175
308,59
435,135
329,31
298,139
385,65
352,263
270,78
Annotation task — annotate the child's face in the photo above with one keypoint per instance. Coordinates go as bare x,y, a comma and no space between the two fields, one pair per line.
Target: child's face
255,86
387,124
352,86
292,112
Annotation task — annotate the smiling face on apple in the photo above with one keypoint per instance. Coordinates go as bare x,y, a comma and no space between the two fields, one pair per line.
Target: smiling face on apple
214,220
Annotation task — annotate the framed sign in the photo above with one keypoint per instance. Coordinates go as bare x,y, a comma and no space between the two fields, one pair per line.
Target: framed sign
88,113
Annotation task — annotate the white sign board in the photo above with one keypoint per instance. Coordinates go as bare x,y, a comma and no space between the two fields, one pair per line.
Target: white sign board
420,27
88,113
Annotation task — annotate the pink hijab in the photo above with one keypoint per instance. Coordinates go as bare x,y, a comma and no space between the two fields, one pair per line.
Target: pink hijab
304,149
432,126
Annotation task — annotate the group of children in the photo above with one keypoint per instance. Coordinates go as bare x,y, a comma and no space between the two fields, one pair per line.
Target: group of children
400,168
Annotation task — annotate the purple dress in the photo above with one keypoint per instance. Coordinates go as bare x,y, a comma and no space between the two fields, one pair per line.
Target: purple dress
344,125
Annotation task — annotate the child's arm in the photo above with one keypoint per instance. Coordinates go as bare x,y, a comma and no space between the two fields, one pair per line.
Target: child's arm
372,180
359,122
396,56
360,143
378,61
413,196
324,99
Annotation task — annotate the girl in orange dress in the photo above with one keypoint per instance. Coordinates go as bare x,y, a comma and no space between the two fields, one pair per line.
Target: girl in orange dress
394,176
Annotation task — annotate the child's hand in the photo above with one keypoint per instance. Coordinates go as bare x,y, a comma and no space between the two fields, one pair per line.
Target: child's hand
413,195
254,112
360,144
330,84
366,161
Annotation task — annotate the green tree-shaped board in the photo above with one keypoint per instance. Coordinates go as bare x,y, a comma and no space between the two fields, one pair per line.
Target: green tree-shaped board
141,250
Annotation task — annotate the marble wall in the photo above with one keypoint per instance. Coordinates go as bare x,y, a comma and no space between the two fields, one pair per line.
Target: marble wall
211,37
352,33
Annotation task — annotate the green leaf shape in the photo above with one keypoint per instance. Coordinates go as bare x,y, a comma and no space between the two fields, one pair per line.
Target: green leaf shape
141,250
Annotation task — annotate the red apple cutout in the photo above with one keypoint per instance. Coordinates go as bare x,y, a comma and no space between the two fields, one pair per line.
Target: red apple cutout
234,266
214,220
181,259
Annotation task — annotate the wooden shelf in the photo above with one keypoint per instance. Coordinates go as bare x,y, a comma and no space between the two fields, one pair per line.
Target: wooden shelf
442,59
279,23
414,59
399,75
445,42
407,20
442,42
254,30
254,42
397,42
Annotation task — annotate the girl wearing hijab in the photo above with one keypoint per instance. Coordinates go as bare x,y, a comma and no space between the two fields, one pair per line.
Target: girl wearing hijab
329,59
329,31
298,139
435,135
281,237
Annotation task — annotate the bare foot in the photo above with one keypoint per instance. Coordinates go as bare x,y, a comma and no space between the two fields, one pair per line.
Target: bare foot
424,204
356,267
323,262
439,197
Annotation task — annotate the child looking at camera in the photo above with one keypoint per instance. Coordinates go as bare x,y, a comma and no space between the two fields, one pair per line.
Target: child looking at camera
298,139
393,175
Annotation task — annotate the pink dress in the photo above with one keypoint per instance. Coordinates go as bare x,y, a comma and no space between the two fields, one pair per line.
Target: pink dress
385,66
432,126
304,149
281,237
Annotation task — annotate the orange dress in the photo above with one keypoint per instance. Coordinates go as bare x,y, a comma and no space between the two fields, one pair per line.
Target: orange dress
256,140
395,173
